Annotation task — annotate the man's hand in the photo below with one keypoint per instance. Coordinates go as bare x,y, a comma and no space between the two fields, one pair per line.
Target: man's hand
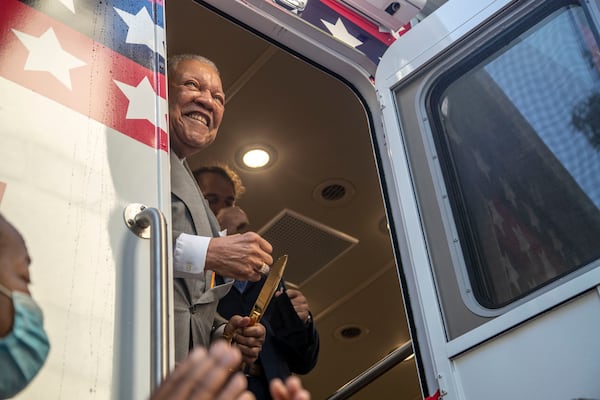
299,302
206,376
291,390
247,337
239,256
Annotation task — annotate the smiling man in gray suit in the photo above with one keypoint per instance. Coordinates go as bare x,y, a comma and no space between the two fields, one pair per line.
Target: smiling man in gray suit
196,106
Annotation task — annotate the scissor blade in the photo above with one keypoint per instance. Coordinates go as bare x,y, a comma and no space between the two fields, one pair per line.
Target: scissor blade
268,289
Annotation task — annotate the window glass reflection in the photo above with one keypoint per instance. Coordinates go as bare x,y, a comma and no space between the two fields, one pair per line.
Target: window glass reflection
519,140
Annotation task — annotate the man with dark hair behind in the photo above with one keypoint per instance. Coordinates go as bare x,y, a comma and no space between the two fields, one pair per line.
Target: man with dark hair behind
292,342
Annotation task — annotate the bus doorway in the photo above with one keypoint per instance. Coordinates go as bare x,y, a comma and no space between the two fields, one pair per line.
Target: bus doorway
324,179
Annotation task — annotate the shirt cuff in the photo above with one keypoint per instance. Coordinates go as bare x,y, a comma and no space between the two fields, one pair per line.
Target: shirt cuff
189,255
218,331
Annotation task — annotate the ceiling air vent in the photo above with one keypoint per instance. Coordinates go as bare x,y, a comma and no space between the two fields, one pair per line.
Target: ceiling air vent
334,192
350,332
310,245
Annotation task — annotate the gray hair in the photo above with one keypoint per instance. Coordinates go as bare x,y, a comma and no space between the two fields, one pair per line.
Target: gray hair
173,61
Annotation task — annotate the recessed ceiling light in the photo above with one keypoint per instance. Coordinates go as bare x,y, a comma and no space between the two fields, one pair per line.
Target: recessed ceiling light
256,158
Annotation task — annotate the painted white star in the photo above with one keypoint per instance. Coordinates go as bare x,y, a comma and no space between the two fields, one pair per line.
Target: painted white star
524,244
483,167
547,266
340,32
69,4
46,54
508,192
141,29
556,243
511,273
533,219
141,102
496,217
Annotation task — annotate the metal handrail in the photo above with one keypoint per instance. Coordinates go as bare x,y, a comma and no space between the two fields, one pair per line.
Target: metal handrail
154,219
374,372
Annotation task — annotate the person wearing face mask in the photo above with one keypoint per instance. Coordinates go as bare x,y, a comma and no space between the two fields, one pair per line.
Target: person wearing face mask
24,345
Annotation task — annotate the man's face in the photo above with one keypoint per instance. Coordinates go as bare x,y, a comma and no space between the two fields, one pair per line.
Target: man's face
217,190
196,106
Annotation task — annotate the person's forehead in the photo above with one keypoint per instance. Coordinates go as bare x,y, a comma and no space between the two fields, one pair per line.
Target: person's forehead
10,236
214,180
193,67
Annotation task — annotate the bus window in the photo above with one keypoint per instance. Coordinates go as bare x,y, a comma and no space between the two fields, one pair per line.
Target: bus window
517,130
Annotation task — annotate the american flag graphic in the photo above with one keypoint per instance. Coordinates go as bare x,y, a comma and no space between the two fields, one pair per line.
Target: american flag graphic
99,59
350,27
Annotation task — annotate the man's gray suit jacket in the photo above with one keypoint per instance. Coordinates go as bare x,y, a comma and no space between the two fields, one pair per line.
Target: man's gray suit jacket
195,303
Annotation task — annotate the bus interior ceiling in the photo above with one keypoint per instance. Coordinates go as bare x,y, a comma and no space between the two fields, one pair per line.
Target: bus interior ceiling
324,173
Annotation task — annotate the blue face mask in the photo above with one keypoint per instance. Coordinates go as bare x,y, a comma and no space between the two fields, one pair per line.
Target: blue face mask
24,350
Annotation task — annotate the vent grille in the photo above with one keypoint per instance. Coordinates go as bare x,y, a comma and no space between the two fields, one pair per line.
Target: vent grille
333,192
310,245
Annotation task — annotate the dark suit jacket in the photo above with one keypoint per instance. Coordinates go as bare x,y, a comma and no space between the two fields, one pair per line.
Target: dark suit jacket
290,345
195,303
